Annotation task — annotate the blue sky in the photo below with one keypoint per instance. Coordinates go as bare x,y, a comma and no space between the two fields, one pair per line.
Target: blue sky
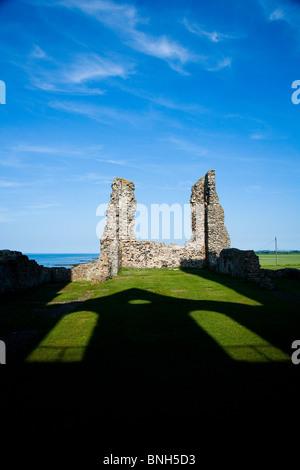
154,92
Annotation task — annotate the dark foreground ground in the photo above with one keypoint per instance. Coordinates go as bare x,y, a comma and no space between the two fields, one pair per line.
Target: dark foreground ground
139,398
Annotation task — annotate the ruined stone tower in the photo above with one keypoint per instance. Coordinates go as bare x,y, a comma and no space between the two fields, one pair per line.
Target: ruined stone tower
119,226
207,218
197,203
216,235
120,212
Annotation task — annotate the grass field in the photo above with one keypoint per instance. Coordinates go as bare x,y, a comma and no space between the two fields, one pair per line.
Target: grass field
284,260
151,355
150,307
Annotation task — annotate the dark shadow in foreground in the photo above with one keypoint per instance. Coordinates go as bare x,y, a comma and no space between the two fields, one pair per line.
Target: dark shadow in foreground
151,381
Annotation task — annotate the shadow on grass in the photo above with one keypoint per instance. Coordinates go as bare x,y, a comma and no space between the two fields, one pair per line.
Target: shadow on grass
276,320
151,377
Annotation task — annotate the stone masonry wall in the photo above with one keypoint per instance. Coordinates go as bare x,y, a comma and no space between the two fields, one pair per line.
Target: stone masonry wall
119,223
17,272
241,264
119,246
197,204
216,235
244,264
140,254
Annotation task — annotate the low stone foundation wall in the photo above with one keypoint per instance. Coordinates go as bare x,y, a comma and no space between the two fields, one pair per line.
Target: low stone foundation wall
242,264
95,271
285,273
17,272
245,265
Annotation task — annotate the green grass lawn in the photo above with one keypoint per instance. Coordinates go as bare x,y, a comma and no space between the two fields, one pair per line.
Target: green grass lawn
160,358
284,260
150,309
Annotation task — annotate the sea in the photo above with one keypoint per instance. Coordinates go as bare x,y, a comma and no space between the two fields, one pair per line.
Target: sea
65,260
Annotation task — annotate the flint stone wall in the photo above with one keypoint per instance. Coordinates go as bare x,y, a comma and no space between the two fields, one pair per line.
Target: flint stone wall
241,264
106,267
17,272
284,273
216,235
140,254
245,265
119,246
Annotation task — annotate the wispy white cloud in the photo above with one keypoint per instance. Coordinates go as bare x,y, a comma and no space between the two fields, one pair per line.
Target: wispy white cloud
78,73
32,155
213,36
24,148
257,189
254,189
29,149
9,184
214,62
113,115
10,161
287,10
125,20
277,14
184,107
189,147
98,113
219,64
258,136
93,67
168,103
5,217
43,206
96,178
164,48
116,16
117,162
37,53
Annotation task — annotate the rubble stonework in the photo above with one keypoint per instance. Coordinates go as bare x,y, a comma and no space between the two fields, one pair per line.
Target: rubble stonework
149,254
17,272
216,235
120,212
241,264
119,246
197,203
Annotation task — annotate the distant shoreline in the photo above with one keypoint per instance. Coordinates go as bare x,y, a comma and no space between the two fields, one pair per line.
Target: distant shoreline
66,260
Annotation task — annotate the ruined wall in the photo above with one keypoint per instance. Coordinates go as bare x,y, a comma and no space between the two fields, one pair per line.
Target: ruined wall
216,235
120,212
241,264
197,204
244,264
148,254
95,271
17,272
119,246
119,223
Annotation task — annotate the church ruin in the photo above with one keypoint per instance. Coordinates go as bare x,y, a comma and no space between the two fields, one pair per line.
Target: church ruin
120,247
209,246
